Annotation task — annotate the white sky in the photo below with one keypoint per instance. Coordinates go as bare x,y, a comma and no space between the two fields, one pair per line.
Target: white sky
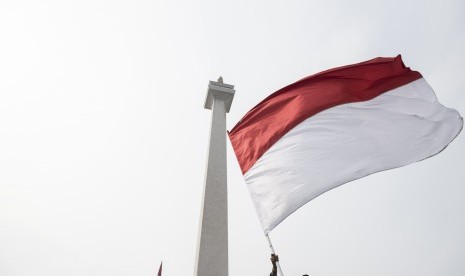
103,135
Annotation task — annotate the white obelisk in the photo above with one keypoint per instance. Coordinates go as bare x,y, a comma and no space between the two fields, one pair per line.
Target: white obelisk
212,247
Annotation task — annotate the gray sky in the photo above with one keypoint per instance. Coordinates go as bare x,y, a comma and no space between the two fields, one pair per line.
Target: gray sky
103,135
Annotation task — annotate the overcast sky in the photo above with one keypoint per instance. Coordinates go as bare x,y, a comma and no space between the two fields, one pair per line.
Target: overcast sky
103,136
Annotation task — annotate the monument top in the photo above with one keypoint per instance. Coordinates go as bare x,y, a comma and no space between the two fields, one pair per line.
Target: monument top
220,90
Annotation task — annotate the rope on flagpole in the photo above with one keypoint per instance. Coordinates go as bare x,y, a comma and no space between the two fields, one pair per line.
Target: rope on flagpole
272,252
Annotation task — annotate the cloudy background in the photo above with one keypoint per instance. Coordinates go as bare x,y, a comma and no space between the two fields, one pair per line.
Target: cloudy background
103,135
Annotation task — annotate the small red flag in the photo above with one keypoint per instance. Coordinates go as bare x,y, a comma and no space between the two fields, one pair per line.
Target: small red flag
159,270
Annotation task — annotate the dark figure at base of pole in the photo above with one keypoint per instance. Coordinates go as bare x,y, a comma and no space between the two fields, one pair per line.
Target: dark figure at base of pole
274,258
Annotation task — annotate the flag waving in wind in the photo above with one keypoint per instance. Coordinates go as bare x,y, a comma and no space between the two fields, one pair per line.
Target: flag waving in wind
334,127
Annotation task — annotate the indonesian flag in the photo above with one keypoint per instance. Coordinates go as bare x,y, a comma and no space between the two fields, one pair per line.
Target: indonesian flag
334,127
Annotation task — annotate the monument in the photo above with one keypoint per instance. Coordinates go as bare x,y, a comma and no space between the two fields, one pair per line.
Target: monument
212,247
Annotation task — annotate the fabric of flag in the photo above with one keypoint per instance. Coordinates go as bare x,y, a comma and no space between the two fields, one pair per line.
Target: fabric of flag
334,127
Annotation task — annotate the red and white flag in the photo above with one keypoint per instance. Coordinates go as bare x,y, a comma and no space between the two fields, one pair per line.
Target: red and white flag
336,126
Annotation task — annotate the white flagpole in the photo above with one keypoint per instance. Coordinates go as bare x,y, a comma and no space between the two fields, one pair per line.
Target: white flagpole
280,272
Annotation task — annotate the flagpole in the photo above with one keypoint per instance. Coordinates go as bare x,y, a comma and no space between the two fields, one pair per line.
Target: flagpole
272,252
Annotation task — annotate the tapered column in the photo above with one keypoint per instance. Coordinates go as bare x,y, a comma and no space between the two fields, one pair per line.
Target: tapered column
212,248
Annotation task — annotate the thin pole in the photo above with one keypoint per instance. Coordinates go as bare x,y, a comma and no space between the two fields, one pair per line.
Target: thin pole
272,252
